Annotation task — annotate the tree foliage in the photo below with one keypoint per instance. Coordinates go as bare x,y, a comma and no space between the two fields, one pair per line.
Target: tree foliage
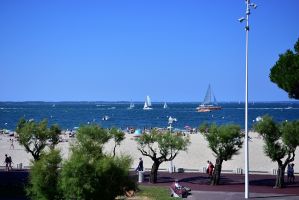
92,174
285,72
103,178
44,176
161,147
225,141
281,141
91,140
36,136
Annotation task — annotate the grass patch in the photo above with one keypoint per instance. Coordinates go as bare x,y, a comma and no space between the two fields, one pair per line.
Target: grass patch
153,193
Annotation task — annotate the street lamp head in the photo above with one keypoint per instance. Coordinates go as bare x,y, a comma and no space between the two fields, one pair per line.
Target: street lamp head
241,19
253,5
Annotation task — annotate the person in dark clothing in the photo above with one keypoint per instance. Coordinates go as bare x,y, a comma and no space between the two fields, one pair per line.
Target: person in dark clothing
140,165
6,162
9,163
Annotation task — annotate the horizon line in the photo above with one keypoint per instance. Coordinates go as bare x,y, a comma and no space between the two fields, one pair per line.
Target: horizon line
128,101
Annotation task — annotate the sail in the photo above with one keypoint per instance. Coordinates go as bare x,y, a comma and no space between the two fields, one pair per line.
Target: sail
165,105
147,103
207,99
148,100
207,105
215,101
131,105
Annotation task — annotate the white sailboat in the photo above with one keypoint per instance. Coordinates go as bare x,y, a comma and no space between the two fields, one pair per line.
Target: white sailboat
165,106
208,105
147,104
131,106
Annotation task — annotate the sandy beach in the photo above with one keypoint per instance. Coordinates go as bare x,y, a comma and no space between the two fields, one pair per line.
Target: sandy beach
194,159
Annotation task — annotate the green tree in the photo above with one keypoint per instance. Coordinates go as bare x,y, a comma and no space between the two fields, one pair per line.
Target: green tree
91,140
90,173
281,141
117,136
285,72
44,176
36,136
54,135
161,147
225,141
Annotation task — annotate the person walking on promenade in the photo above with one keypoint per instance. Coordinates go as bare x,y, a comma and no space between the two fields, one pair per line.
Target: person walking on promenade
293,175
140,165
290,172
9,163
207,169
6,162
210,169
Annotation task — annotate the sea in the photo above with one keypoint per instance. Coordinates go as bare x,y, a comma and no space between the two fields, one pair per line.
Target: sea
69,115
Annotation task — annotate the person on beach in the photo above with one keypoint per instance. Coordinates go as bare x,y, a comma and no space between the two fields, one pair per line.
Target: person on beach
6,162
140,165
11,144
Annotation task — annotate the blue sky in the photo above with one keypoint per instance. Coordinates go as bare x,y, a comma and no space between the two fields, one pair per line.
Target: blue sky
127,49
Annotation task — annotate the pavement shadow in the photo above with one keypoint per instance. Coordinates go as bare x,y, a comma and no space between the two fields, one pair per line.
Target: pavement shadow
273,196
196,180
262,182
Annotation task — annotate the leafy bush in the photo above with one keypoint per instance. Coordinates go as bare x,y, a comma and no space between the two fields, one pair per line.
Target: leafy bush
103,178
44,176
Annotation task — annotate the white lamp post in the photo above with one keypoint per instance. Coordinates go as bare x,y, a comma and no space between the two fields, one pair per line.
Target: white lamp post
248,6
170,121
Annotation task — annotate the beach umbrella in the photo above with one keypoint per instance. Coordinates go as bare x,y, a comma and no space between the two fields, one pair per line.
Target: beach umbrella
137,133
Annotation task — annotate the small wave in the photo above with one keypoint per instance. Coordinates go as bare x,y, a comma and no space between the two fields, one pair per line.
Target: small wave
2,108
101,105
288,108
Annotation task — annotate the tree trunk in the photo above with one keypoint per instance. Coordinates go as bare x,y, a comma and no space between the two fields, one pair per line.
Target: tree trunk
154,172
280,176
36,156
217,172
114,150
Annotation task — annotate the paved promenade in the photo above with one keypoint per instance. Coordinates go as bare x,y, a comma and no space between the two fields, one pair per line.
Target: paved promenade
231,185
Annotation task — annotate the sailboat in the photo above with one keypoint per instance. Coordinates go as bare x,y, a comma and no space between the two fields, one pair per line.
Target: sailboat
131,106
165,106
208,105
147,104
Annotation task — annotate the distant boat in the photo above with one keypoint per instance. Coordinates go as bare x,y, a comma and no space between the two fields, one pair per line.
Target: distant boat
258,118
165,106
147,104
131,106
207,105
105,118
53,105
